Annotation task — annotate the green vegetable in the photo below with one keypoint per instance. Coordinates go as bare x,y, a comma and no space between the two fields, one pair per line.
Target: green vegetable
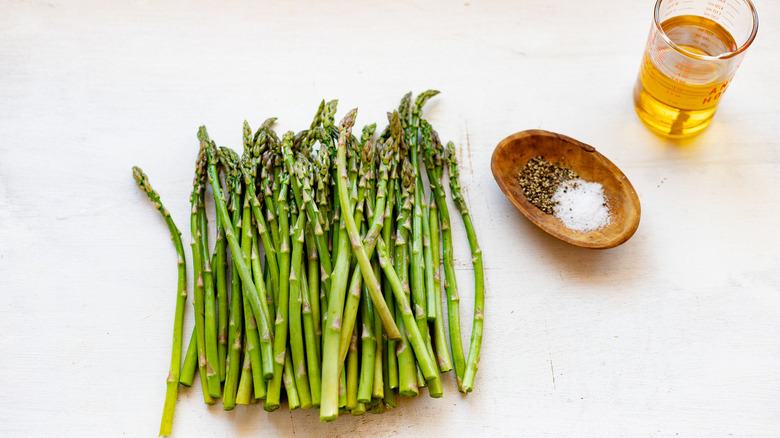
323,288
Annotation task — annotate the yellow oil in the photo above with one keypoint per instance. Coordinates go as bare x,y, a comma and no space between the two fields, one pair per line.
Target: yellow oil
679,99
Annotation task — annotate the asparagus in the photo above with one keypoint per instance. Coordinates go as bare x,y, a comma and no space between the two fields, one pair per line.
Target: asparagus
250,323
369,243
359,212
479,282
440,339
295,317
282,306
219,268
244,395
433,153
311,340
209,304
196,243
357,246
368,349
329,404
190,362
172,382
235,326
259,307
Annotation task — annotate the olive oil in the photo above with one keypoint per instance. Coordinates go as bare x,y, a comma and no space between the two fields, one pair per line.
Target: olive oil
676,94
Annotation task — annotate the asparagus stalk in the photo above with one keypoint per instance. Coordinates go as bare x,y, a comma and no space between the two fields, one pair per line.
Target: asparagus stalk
244,395
250,161
440,338
311,340
407,379
313,297
390,373
219,267
172,382
250,323
209,304
369,243
351,371
329,403
235,327
357,246
198,304
415,339
295,317
282,307
367,351
479,282
259,307
433,154
190,362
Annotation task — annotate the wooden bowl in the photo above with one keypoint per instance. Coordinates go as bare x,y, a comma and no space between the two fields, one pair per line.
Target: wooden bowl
512,154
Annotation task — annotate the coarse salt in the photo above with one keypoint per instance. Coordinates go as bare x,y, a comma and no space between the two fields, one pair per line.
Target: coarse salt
581,205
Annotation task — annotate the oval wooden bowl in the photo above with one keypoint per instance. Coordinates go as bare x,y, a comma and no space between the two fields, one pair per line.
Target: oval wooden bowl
512,154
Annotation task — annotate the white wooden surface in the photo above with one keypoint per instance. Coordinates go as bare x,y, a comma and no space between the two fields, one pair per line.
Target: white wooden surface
675,333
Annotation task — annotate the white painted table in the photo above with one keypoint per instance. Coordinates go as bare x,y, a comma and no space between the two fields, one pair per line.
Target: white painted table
674,333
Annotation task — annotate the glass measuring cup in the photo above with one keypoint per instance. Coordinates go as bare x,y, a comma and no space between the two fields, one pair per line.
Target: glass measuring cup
692,53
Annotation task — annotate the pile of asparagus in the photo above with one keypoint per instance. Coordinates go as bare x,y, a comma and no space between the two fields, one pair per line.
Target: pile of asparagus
325,275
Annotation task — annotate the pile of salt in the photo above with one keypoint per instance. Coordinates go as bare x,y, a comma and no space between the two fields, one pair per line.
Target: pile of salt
581,205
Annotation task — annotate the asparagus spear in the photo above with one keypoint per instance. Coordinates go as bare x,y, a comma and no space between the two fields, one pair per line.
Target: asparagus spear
259,307
220,280
250,323
190,362
300,372
236,323
209,303
195,243
357,246
479,282
172,382
440,338
433,156
311,341
329,403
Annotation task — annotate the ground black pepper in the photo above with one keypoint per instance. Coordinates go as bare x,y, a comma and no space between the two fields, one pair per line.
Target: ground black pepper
539,180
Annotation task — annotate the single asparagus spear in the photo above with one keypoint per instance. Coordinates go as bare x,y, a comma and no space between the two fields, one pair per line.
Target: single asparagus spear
369,243
300,372
390,373
250,323
209,304
235,325
407,369
357,246
351,371
329,403
313,298
220,279
293,400
433,156
311,341
172,383
368,350
195,243
244,394
479,282
440,338
282,302
190,362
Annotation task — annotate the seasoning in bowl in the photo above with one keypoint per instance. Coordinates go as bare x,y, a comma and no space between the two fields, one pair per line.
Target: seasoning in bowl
559,191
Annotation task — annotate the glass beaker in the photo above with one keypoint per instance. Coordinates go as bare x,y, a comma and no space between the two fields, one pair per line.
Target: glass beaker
692,53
